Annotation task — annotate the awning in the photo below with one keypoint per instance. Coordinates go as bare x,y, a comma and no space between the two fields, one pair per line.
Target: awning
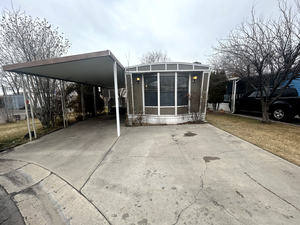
101,69
91,68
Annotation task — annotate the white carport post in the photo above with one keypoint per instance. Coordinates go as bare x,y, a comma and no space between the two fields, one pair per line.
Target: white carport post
95,105
62,104
64,98
31,109
116,97
25,102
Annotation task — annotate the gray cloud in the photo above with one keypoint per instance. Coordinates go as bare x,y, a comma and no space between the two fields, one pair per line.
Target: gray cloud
185,29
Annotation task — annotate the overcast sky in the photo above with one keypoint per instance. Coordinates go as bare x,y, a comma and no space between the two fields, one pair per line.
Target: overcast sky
186,29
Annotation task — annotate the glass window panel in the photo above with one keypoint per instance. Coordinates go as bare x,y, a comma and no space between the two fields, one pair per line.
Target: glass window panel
182,90
150,91
167,89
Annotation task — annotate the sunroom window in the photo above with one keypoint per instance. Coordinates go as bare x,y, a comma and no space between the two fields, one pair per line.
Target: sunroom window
182,90
167,91
150,91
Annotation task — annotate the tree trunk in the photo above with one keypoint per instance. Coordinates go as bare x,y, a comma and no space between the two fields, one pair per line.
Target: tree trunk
265,114
214,107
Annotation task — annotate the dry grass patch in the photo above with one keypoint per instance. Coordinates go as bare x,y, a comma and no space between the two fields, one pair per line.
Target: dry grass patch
279,139
12,134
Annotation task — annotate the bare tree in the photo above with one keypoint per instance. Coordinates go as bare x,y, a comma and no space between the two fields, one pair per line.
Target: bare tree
11,82
265,52
154,56
22,39
7,109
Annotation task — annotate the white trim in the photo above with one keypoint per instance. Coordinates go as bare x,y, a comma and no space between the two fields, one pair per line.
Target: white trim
126,86
171,71
189,97
116,97
169,106
164,119
175,92
132,96
158,94
143,93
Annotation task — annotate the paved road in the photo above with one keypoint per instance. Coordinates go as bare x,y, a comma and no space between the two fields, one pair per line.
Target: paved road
180,174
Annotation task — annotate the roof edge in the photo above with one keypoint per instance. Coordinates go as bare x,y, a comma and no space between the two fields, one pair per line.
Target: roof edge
64,59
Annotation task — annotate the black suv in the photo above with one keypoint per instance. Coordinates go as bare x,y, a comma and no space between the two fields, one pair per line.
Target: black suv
286,106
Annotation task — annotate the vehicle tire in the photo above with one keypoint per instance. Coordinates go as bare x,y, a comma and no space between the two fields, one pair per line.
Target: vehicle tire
280,114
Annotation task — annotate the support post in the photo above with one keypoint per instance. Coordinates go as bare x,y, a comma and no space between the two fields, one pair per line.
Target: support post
95,105
116,98
206,96
132,96
82,102
64,101
31,109
26,109
127,102
190,92
175,93
62,104
158,94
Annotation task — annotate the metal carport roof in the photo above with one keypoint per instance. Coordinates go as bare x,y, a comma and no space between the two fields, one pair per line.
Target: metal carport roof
101,69
91,68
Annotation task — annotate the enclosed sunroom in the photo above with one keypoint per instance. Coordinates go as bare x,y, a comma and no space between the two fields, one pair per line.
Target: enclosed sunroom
167,93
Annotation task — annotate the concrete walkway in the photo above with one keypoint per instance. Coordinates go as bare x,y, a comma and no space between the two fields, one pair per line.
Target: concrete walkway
181,174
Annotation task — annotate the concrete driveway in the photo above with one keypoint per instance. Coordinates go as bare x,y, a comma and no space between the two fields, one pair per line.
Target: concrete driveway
181,174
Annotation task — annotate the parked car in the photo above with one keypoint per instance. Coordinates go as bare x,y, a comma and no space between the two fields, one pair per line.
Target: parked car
285,107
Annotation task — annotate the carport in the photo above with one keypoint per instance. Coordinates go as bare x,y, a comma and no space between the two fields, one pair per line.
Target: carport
101,69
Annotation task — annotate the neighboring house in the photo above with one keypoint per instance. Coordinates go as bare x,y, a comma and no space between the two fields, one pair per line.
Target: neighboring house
236,88
167,93
13,101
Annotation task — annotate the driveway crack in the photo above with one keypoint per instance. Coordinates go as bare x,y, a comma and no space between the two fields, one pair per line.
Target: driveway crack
195,197
272,192
217,204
